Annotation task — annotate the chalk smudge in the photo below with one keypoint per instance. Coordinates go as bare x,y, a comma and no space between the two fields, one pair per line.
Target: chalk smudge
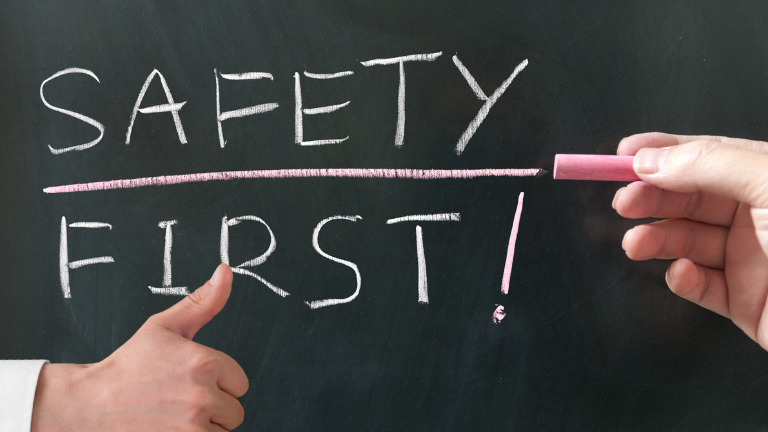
499,314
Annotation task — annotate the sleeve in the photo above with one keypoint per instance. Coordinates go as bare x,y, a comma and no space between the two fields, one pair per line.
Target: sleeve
18,382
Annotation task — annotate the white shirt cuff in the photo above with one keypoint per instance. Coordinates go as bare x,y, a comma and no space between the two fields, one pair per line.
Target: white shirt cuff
18,382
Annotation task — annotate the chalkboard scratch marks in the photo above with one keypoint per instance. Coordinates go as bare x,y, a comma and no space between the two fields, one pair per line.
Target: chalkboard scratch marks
637,330
575,305
585,31
370,173
511,246
754,382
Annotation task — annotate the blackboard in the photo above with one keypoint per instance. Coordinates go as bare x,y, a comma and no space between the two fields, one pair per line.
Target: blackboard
590,341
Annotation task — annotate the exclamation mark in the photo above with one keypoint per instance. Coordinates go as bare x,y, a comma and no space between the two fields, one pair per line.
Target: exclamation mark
499,313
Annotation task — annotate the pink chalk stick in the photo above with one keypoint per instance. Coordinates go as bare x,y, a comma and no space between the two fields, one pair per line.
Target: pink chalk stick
594,167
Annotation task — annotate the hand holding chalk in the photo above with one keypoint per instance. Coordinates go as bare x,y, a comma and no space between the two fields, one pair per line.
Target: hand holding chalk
158,380
713,194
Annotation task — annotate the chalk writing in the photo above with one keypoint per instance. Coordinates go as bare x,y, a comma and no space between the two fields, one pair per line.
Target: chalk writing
243,112
421,259
65,265
171,107
167,288
301,112
240,269
81,117
489,101
316,244
400,61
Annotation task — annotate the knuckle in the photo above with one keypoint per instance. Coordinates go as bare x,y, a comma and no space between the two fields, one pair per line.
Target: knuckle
690,238
202,365
152,321
200,401
758,191
695,152
703,285
760,220
195,302
196,298
692,205
659,202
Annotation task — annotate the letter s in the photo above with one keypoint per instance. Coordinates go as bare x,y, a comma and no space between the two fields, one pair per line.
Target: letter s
81,117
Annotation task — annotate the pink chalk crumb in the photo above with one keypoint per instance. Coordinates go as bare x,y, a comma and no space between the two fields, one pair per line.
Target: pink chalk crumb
499,314
594,167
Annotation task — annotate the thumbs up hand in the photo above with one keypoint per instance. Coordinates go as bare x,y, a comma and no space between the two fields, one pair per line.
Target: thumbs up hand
159,380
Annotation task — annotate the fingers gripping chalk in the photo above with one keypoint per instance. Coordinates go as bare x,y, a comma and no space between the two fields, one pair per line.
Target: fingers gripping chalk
594,167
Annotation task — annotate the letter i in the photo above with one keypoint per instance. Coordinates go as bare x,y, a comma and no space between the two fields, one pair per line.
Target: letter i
167,288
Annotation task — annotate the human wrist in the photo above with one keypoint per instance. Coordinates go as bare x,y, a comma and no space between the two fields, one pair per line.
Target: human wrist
57,405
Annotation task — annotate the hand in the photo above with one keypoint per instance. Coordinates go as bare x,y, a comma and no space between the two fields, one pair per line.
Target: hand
713,194
158,380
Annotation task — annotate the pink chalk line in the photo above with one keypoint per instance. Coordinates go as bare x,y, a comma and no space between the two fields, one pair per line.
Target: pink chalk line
511,247
385,173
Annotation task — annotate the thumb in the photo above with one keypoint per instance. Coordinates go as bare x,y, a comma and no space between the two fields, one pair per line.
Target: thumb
709,166
194,311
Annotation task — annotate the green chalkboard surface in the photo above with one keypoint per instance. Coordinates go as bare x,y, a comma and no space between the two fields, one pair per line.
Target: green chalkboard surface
382,170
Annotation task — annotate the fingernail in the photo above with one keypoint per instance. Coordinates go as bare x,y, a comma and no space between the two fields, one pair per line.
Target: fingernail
217,275
616,198
649,160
